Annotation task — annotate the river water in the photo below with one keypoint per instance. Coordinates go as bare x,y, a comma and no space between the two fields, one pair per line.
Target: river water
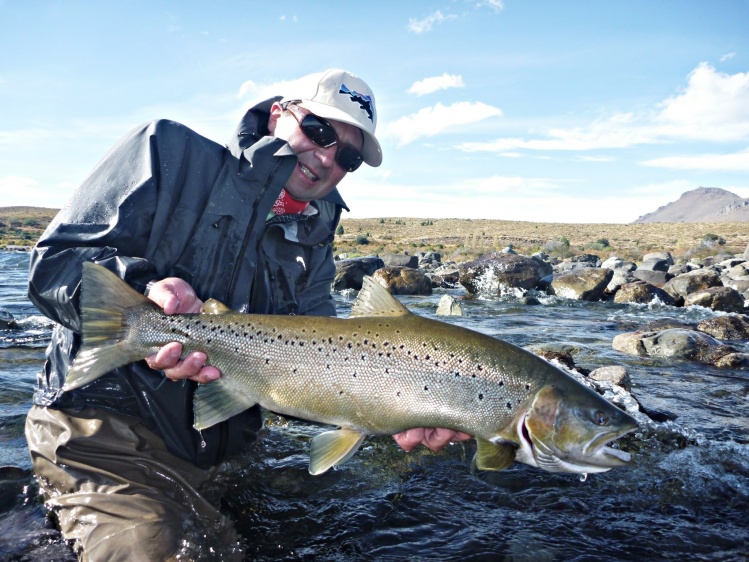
685,497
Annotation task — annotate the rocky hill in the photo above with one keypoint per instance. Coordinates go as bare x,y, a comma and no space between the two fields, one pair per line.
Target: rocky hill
704,204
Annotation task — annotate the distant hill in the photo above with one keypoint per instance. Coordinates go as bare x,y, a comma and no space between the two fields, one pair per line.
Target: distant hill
704,204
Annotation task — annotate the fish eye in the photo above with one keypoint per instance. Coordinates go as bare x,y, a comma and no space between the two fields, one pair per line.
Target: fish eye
600,418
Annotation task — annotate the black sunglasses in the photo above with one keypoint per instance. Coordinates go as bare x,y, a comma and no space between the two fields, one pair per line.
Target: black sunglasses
322,133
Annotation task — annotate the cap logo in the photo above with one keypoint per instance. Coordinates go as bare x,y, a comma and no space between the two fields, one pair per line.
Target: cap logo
365,102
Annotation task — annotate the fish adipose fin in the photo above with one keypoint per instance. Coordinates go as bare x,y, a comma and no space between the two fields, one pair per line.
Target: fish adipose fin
104,299
333,447
375,300
212,306
494,456
217,401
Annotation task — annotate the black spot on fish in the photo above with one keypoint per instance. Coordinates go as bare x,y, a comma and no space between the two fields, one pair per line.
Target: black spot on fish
350,345
426,388
398,393
267,361
301,344
340,393
527,386
387,371
501,383
481,396
427,357
509,405
479,367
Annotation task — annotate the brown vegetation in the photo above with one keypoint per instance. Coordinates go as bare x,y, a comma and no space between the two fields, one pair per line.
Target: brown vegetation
464,239
22,226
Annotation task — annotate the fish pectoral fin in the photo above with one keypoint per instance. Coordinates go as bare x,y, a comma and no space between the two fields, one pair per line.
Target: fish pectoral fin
333,447
215,402
494,456
212,306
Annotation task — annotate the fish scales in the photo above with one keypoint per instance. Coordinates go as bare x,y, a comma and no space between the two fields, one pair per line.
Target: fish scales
292,363
382,370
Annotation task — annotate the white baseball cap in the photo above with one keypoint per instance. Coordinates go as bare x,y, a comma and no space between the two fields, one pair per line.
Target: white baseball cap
341,96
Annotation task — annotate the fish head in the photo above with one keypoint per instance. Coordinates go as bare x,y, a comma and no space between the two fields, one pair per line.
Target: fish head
567,429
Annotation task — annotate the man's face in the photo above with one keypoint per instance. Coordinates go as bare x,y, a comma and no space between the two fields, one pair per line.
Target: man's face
317,171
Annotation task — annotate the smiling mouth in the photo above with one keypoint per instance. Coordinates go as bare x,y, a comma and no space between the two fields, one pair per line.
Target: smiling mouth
308,173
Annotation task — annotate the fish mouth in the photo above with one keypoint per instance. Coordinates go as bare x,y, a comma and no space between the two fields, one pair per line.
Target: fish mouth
592,457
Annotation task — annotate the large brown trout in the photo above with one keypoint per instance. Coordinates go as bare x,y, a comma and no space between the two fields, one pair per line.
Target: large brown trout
381,371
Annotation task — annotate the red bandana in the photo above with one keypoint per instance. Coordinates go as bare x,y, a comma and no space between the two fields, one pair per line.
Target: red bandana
287,205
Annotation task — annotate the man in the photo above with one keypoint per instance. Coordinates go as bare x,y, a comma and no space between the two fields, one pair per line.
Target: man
183,219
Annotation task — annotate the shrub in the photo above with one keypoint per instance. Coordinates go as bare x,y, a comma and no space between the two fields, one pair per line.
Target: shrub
339,230
362,240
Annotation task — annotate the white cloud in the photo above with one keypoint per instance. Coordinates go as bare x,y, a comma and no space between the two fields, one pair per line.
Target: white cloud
431,121
736,162
435,83
713,106
727,56
425,25
496,5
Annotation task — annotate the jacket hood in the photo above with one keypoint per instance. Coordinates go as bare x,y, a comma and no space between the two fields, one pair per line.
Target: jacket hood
253,126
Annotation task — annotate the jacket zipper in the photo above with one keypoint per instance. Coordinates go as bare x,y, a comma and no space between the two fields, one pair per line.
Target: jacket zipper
247,235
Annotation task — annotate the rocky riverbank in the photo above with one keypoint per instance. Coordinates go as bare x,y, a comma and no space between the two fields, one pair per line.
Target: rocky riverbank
719,282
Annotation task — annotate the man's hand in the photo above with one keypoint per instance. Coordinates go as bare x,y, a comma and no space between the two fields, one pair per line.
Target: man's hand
434,438
176,296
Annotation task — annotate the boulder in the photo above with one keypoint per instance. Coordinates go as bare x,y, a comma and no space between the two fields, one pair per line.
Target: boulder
676,343
582,284
7,322
400,260
403,281
655,264
445,276
621,276
492,273
657,278
724,299
664,256
682,285
728,327
350,273
581,261
642,293
615,374
617,263
449,306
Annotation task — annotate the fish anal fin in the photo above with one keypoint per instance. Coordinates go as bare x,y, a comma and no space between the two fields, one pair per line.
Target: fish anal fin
213,306
494,456
375,300
217,401
333,447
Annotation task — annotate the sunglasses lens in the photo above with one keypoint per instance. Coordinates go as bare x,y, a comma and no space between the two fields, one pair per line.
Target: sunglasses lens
319,132
323,134
348,158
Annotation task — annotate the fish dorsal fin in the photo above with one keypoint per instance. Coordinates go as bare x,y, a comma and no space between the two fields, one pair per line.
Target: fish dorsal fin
375,300
212,306
494,456
332,448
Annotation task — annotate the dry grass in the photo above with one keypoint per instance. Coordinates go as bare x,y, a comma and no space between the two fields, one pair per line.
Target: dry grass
463,239
467,238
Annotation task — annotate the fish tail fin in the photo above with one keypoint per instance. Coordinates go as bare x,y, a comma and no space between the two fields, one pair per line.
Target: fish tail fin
104,299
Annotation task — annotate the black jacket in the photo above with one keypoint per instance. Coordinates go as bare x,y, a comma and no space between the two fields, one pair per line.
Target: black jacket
167,202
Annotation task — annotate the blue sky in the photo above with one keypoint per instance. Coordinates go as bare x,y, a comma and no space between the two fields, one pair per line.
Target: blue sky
578,111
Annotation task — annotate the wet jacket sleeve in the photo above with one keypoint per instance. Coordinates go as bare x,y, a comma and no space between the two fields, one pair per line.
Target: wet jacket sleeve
109,221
